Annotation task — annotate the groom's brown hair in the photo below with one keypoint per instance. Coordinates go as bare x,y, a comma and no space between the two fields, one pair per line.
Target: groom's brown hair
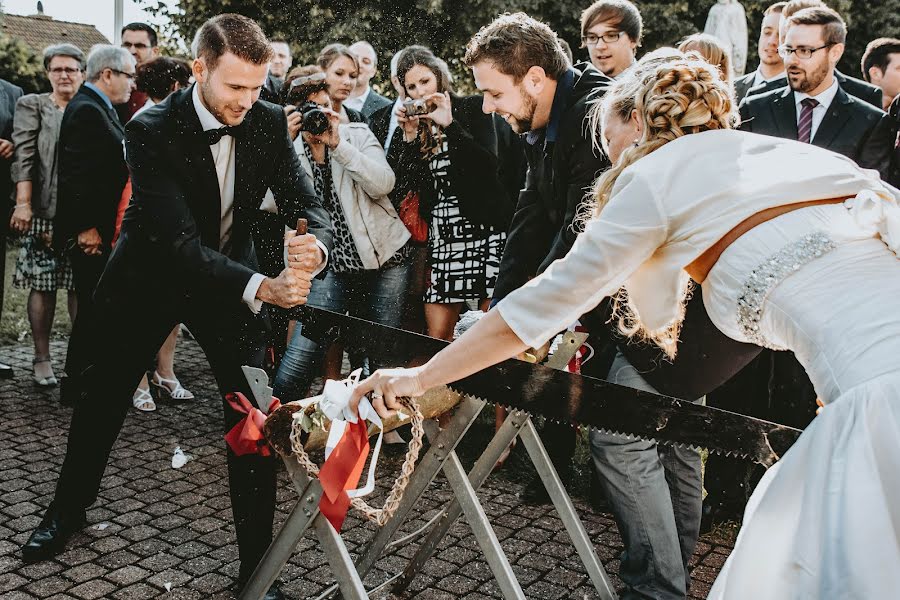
233,33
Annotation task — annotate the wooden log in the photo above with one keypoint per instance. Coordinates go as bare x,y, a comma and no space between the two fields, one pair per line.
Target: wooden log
277,429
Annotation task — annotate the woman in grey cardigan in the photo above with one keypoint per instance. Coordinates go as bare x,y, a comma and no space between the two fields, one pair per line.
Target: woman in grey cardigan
35,134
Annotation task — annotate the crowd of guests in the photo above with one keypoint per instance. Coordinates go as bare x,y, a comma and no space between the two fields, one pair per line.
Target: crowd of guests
437,205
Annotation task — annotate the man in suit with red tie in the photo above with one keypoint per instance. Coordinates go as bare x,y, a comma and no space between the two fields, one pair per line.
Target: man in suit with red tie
813,108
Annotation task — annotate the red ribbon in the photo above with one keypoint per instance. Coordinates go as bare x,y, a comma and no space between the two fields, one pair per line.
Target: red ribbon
341,472
246,437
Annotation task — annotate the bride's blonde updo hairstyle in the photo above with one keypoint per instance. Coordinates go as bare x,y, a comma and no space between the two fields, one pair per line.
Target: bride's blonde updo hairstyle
674,94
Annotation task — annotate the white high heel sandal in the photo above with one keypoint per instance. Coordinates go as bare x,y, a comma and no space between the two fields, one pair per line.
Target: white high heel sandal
178,392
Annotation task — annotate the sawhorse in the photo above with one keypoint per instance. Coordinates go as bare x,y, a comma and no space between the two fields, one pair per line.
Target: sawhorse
441,455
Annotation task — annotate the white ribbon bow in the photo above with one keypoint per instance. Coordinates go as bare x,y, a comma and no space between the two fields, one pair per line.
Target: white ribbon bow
335,404
871,210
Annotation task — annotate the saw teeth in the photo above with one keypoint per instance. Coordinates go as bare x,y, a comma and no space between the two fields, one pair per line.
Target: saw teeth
629,436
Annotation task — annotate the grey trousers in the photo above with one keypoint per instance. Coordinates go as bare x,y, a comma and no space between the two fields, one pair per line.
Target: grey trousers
656,496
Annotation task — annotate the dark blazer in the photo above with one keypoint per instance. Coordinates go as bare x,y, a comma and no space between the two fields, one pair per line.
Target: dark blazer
743,86
560,173
379,121
846,129
91,173
374,101
9,95
860,89
271,89
487,166
172,224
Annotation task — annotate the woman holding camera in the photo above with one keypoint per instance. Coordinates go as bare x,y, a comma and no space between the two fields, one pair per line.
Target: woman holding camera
341,68
369,264
466,168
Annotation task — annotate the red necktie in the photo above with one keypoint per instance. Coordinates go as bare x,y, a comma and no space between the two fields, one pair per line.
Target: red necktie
804,125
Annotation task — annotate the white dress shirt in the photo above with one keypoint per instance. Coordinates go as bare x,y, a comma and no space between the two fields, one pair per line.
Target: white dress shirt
825,99
223,157
356,103
759,79
392,124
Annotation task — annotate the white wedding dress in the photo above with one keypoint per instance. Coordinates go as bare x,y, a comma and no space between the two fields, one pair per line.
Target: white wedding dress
823,281
823,523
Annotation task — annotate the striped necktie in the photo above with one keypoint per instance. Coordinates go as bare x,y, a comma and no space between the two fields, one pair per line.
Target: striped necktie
804,125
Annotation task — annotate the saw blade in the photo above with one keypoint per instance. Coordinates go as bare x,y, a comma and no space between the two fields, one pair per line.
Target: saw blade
569,398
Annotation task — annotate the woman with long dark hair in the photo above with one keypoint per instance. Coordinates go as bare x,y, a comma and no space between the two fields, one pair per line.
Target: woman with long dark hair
467,168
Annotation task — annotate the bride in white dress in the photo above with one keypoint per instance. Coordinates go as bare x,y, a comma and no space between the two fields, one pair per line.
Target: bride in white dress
823,281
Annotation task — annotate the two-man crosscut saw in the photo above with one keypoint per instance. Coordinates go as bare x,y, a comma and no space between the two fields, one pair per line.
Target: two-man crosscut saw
567,397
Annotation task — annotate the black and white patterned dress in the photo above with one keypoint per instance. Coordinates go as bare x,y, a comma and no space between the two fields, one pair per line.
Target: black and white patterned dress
464,256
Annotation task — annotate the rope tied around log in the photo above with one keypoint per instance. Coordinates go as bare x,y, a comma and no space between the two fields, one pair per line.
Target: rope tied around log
379,516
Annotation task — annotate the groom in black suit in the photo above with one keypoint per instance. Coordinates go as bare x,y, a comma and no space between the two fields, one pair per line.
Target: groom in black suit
201,162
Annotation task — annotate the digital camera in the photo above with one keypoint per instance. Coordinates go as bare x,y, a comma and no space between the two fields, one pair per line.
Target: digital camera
415,108
315,121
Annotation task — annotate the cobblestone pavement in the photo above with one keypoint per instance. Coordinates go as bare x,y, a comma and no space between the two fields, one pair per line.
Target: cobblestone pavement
155,527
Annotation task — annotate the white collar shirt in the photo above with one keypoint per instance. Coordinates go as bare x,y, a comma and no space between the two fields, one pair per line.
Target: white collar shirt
759,78
825,99
223,157
357,102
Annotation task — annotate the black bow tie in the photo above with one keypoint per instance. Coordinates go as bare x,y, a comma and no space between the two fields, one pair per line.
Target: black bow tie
214,135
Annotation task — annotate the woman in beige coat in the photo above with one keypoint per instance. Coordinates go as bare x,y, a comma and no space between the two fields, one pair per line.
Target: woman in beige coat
370,264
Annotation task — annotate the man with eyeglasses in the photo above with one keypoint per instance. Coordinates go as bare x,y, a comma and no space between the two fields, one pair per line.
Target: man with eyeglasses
91,176
611,32
853,86
813,108
141,41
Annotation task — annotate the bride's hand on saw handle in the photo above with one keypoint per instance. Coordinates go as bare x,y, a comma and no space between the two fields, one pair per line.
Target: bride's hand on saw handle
385,386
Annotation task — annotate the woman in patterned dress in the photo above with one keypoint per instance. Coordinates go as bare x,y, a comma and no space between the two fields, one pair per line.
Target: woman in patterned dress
368,267
35,135
467,167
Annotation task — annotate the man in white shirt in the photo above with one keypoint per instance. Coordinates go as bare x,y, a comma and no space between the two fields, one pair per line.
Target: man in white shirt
200,163
363,98
770,73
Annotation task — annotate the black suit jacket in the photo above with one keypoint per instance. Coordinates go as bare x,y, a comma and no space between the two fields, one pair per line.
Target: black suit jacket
379,122
860,89
559,175
846,129
487,166
374,102
172,224
9,95
91,172
743,86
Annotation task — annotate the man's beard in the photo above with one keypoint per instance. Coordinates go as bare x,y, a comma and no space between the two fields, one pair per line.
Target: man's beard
809,80
522,123
210,102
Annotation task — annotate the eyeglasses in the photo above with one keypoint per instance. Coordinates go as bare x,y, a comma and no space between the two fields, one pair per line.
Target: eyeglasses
128,75
802,53
610,37
138,46
66,70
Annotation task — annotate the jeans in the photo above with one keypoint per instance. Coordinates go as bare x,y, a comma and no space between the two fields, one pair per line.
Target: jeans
655,494
374,295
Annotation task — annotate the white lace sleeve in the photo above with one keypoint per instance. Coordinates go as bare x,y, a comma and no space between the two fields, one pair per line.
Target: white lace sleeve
611,248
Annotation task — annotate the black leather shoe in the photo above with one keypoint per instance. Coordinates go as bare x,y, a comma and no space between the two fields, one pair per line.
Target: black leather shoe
51,535
6,371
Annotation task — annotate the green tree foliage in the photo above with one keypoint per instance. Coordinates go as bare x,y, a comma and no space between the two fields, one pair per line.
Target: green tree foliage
446,25
20,66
